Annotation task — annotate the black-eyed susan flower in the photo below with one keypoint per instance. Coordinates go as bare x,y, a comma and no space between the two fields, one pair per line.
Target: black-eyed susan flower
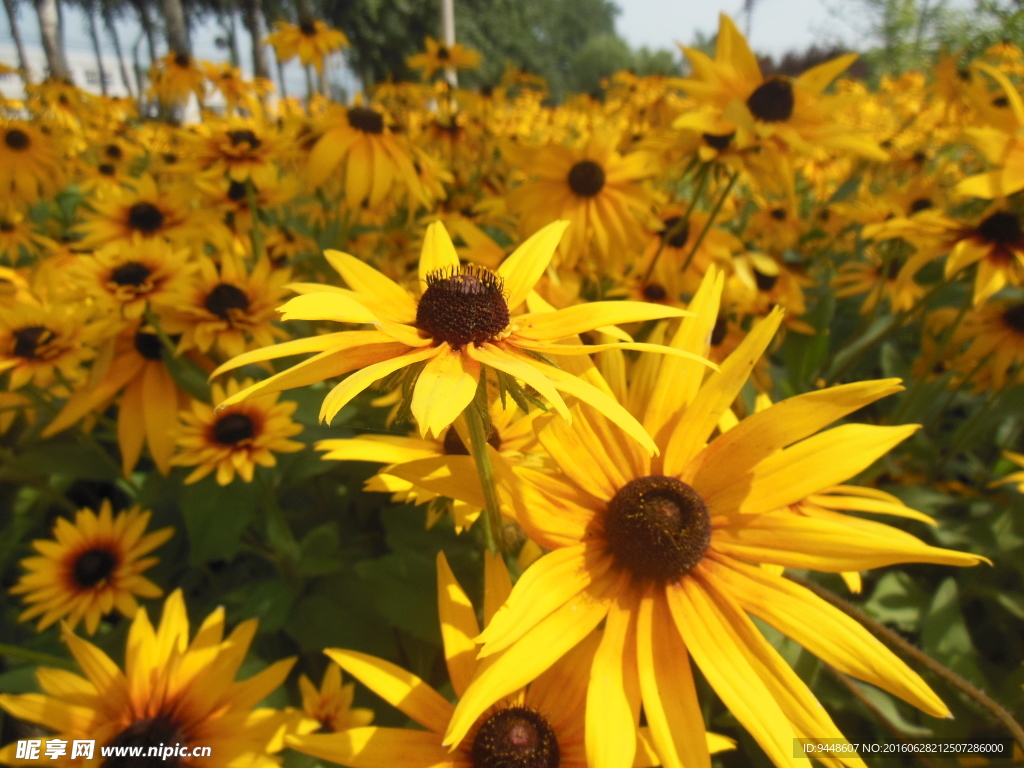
331,705
541,723
439,56
880,278
127,275
311,41
462,321
228,308
142,211
996,245
37,342
236,147
790,111
236,90
994,334
18,234
374,158
171,691
30,164
148,411
594,188
663,551
175,77
90,568
235,438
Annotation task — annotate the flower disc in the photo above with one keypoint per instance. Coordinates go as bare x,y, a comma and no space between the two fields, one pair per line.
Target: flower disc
516,737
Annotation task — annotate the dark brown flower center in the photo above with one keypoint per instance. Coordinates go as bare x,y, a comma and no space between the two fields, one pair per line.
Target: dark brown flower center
366,120
654,292
225,297
1002,227
463,305
17,140
247,136
113,152
921,204
159,731
895,265
443,54
238,191
718,333
131,273
233,428
28,340
453,445
170,158
772,101
586,178
145,217
149,345
105,169
183,60
657,528
94,566
1014,317
1000,101
677,230
719,141
308,28
516,737
779,214
6,226
765,282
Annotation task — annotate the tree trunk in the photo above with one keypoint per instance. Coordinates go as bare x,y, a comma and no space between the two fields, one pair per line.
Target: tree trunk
177,33
90,22
280,76
142,9
252,17
12,18
108,22
305,12
49,33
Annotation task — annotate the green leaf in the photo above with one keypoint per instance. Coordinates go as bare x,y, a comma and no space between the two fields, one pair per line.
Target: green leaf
319,551
216,516
269,600
897,600
65,456
887,707
944,634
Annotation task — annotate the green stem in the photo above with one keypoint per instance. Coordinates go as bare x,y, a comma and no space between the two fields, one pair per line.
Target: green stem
897,643
702,177
959,387
13,652
493,527
711,220
161,334
254,230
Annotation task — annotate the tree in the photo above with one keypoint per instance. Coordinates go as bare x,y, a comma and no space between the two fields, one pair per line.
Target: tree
252,18
89,9
53,45
600,57
174,24
19,45
107,12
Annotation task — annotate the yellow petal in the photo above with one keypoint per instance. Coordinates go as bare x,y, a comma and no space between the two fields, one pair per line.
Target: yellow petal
372,747
438,252
363,278
523,368
613,696
326,306
563,323
397,687
343,393
497,585
524,267
446,386
458,627
319,343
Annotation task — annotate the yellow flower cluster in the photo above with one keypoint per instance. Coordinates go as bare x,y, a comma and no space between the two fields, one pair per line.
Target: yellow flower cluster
571,312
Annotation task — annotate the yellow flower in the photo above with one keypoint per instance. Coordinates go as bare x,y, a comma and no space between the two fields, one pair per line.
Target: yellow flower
663,550
148,410
331,706
235,438
90,568
790,113
594,188
143,212
462,321
175,77
170,692
128,275
879,280
229,309
235,89
995,334
311,41
438,56
237,146
30,165
996,245
36,342
375,159
1013,477
541,723
17,233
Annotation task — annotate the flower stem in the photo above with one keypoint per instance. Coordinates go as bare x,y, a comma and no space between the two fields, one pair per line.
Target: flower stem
675,229
491,519
897,643
13,652
711,220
